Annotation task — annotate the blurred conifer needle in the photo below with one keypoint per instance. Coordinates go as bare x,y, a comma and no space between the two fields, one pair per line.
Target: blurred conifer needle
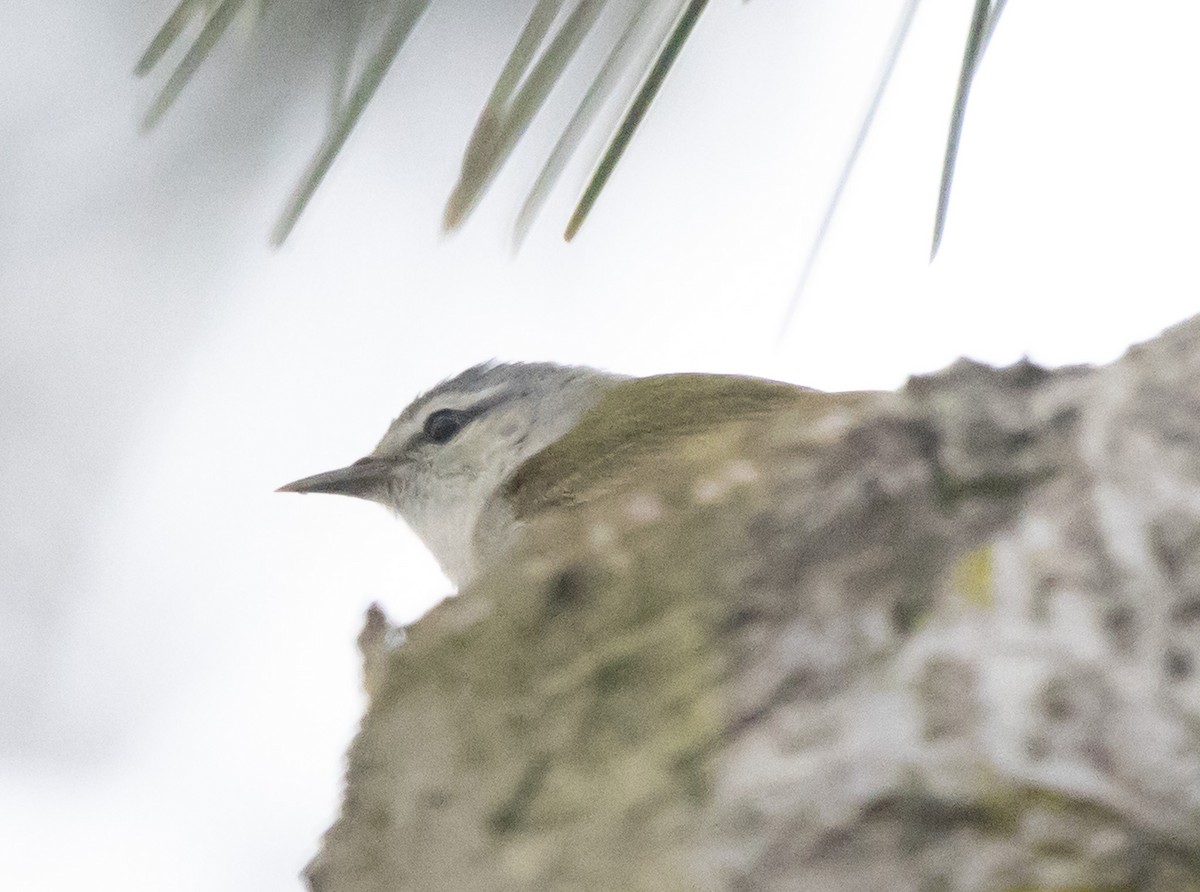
213,28
972,53
349,41
630,52
484,136
899,37
648,46
983,24
168,34
653,82
502,122
405,16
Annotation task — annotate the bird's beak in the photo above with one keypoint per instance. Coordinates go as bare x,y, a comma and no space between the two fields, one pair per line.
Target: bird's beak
364,479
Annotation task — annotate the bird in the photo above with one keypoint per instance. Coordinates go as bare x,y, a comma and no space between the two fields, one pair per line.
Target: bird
472,460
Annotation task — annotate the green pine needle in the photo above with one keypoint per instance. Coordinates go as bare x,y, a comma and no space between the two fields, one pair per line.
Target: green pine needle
633,117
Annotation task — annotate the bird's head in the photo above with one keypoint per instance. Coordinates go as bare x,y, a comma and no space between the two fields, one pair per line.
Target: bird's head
444,459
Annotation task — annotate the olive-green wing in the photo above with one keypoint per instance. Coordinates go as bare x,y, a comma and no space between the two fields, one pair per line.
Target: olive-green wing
644,420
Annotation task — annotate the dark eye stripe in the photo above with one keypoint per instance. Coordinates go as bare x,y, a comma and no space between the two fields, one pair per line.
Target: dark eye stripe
442,426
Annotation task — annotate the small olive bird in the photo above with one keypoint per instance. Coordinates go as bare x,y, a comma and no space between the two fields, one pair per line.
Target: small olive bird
471,460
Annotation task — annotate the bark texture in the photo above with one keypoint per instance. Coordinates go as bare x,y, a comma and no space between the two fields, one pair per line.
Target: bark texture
945,640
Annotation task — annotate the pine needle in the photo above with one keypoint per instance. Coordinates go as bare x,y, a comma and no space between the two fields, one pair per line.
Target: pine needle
899,36
966,74
404,20
168,34
637,111
621,59
500,128
191,62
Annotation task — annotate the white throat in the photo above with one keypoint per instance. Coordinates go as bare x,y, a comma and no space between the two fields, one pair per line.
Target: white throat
450,523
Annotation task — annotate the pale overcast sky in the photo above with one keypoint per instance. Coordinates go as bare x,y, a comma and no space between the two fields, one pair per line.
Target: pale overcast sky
179,681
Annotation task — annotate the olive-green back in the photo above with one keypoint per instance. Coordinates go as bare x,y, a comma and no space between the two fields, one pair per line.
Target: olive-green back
642,419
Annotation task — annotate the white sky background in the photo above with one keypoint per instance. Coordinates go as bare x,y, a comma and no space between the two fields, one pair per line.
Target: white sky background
177,667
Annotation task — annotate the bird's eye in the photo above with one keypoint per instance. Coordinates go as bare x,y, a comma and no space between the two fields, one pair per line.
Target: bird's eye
442,425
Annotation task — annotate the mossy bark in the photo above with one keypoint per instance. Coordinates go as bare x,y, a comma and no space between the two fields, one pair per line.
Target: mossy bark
941,639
